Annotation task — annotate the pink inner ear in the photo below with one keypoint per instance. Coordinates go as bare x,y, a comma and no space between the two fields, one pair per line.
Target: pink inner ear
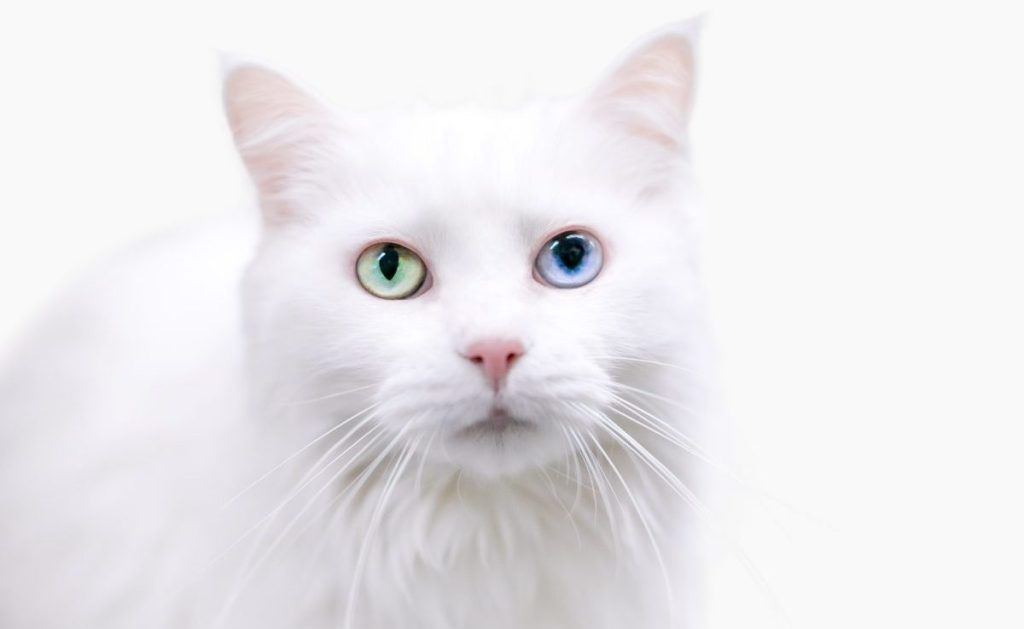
275,125
270,168
650,94
257,99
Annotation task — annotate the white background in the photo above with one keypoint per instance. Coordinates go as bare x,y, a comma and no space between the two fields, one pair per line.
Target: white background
864,167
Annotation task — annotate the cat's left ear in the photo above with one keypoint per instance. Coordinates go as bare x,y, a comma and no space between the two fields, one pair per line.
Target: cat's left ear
281,132
648,95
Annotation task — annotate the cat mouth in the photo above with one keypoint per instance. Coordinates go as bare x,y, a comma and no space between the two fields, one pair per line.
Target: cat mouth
497,423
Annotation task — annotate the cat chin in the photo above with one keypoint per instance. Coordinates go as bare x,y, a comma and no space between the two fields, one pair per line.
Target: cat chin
487,451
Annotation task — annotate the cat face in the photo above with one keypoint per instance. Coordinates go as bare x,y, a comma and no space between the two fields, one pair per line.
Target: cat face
481,280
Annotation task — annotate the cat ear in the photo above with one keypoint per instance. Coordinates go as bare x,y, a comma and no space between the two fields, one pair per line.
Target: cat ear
280,131
648,95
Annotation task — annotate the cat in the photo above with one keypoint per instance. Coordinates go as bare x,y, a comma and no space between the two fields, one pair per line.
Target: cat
446,377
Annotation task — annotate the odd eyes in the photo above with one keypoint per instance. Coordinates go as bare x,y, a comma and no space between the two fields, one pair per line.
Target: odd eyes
391,271
570,260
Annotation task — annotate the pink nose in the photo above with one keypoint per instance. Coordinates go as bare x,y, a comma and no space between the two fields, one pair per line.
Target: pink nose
495,357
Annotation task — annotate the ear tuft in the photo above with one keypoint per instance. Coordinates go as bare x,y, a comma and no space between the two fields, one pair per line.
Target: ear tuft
649,93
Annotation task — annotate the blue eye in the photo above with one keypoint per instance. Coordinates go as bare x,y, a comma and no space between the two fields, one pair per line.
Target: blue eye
570,259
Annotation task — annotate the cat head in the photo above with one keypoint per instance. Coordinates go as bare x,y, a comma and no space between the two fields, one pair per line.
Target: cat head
485,282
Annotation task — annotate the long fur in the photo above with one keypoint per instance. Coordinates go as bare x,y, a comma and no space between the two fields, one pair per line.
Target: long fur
177,452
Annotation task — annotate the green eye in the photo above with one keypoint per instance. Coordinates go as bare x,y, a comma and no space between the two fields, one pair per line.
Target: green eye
390,271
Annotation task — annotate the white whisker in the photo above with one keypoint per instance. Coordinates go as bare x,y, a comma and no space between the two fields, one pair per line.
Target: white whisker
577,476
669,595
646,361
298,452
399,467
329,396
684,492
568,514
637,415
603,486
650,394
423,460
312,474
251,569
588,464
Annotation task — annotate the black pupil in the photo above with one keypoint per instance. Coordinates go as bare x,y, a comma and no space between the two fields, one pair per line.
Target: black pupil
570,251
387,261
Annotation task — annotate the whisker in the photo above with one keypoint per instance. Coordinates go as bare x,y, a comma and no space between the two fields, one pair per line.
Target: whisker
305,378
588,464
677,438
602,482
685,441
298,452
656,465
354,486
558,499
423,460
329,396
649,362
684,492
666,431
312,474
577,477
252,568
338,503
651,394
669,597
396,472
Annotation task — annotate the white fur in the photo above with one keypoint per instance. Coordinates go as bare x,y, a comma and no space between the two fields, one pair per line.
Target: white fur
142,408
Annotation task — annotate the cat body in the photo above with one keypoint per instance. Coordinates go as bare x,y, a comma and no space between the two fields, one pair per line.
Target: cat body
204,436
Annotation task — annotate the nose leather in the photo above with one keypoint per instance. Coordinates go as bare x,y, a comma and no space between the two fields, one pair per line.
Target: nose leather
495,358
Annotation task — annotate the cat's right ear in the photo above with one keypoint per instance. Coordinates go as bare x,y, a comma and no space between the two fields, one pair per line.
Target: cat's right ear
648,94
280,132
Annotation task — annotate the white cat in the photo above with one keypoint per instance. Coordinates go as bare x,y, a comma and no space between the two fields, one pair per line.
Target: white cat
455,390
